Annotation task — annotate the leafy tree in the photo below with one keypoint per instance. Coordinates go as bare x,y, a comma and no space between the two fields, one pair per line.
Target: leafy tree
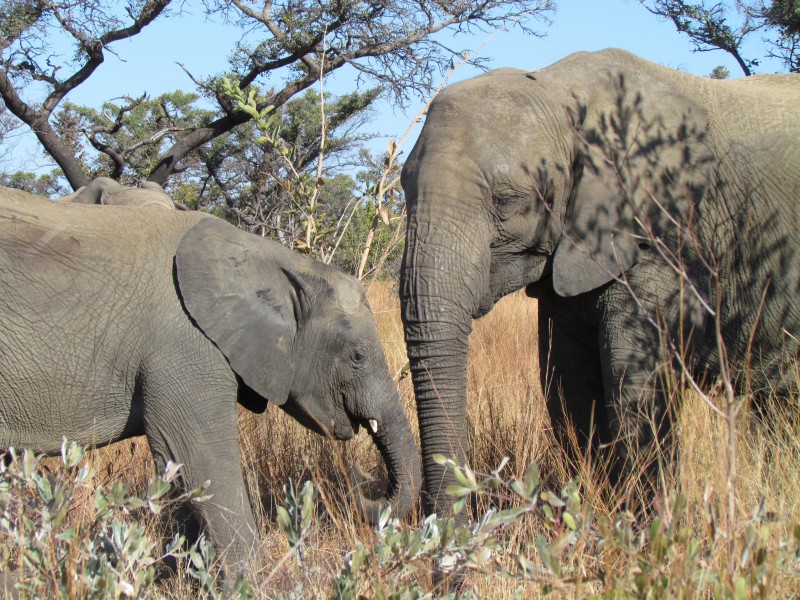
387,249
784,15
9,125
294,45
266,187
719,72
28,30
725,26
47,184
373,240
123,139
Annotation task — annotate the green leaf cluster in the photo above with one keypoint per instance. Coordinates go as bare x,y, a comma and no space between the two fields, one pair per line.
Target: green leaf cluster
47,551
296,517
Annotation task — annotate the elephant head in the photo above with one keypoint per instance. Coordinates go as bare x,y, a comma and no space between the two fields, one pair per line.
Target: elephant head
107,191
325,365
537,181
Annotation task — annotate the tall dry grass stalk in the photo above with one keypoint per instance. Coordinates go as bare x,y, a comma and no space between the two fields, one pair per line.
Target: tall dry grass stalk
507,418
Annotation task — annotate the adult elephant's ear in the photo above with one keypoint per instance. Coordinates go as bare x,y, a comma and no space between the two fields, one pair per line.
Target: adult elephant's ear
643,164
236,287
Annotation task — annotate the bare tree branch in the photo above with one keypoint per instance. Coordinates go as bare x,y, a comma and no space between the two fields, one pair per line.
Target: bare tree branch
708,26
23,62
387,42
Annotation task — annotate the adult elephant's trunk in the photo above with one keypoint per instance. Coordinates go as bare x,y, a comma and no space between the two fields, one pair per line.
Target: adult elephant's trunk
444,280
396,444
439,374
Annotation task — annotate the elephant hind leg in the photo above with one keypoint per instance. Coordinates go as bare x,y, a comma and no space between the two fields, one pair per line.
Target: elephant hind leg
572,378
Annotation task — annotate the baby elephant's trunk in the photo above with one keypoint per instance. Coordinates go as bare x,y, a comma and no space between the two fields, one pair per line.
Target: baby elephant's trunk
395,441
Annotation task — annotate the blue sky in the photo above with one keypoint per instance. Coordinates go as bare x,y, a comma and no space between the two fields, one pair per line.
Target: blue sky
148,62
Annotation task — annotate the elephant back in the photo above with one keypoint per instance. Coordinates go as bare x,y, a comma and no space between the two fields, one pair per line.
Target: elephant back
85,221
85,255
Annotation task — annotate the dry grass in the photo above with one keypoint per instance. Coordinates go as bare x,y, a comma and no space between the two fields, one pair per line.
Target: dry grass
507,417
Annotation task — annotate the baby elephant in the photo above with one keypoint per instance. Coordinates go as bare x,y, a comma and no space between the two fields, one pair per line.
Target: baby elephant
123,322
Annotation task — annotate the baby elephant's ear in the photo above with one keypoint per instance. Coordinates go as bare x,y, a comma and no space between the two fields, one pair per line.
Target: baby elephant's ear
236,287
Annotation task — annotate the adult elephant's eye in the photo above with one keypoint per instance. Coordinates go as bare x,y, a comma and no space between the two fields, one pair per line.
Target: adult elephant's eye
509,206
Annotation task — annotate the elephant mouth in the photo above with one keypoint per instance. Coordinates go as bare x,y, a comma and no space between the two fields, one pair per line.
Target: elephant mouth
541,288
340,426
347,424
325,425
530,270
370,425
344,427
354,426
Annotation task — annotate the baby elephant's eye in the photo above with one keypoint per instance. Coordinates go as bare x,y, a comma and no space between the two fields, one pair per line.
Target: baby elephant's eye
358,356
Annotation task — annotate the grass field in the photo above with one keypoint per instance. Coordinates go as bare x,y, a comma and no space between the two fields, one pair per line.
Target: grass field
692,551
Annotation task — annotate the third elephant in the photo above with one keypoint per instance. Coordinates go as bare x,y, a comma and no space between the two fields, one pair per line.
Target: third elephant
109,192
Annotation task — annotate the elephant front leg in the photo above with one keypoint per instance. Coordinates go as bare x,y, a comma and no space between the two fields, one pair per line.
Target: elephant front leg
571,375
225,516
639,417
645,333
205,441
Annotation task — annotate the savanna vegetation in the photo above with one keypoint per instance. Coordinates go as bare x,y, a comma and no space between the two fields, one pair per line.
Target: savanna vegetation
557,531
250,148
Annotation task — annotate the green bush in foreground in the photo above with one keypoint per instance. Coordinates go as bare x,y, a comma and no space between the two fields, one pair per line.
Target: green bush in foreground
48,552
681,553
667,558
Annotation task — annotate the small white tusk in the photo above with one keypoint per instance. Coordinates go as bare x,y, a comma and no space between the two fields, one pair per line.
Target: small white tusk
373,425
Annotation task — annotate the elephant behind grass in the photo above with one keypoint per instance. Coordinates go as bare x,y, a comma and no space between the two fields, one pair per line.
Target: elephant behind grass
123,322
644,208
109,192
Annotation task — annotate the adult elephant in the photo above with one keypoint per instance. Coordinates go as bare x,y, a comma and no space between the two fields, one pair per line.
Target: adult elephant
122,322
109,192
641,205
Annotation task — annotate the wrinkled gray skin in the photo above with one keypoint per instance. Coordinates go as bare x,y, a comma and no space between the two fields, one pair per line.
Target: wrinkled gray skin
109,192
513,184
123,322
